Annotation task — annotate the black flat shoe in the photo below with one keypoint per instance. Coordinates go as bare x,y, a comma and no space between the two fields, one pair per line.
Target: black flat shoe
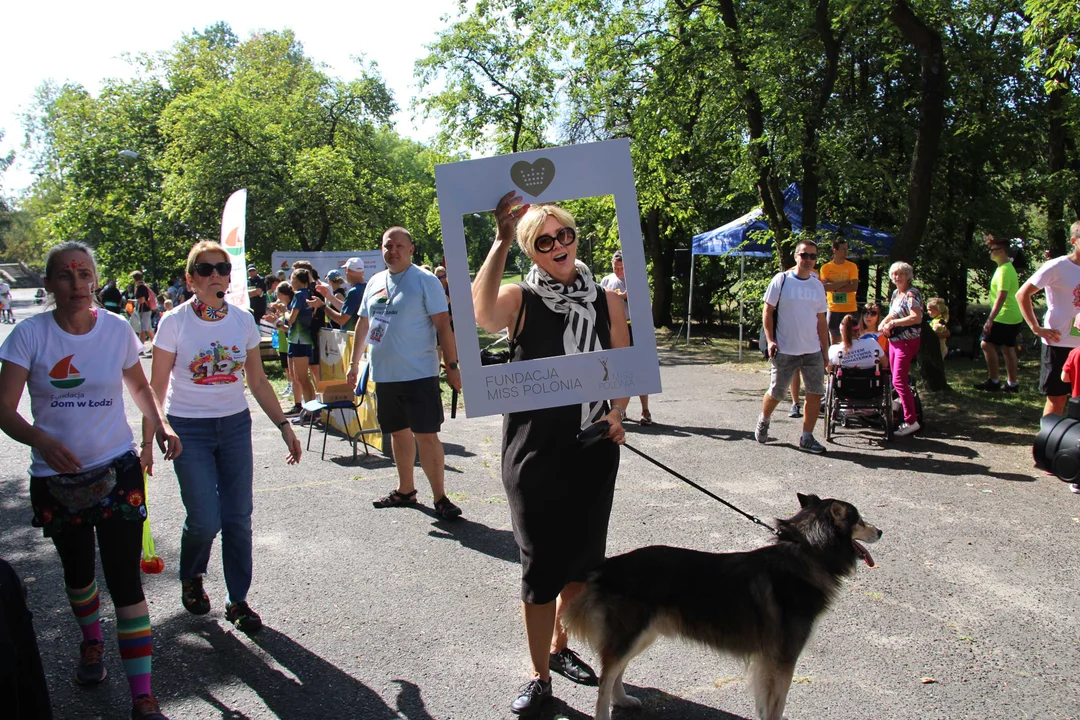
534,695
567,663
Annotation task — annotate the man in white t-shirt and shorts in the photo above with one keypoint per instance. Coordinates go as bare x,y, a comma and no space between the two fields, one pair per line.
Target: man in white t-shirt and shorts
1060,278
798,339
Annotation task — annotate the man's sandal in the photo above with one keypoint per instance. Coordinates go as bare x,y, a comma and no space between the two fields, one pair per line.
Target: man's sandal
396,499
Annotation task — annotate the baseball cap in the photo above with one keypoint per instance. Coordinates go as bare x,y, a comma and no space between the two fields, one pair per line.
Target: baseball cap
252,267
355,264
617,255
334,275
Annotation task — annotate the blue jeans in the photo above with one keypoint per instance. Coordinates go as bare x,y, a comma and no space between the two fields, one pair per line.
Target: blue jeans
215,474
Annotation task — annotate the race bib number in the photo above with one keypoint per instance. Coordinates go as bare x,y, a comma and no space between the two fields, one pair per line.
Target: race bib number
380,325
839,298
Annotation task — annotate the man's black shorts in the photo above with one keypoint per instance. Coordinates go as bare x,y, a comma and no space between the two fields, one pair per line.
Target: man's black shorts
413,404
1053,360
1002,334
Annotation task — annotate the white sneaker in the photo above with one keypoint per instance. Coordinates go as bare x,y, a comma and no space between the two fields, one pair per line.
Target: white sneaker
1075,487
287,391
907,429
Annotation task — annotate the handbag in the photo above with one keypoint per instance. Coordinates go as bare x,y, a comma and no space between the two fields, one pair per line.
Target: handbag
763,342
498,357
79,491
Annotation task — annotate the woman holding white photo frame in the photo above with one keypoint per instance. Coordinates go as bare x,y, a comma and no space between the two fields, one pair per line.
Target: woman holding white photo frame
559,492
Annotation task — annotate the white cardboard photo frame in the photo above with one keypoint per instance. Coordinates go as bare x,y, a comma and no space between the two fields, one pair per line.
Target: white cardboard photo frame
549,175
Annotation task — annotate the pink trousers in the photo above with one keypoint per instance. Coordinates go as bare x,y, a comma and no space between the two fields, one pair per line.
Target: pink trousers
901,354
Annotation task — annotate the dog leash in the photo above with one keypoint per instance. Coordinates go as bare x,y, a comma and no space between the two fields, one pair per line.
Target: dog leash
596,431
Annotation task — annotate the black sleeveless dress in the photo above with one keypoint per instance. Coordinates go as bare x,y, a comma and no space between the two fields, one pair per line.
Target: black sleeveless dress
559,493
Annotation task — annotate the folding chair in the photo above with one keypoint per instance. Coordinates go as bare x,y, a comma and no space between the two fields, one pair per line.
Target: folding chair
338,396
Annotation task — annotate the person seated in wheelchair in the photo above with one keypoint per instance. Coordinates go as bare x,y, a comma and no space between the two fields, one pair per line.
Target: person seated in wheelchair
853,351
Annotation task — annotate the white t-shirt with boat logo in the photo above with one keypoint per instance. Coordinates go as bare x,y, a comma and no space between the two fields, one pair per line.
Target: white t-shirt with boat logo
76,385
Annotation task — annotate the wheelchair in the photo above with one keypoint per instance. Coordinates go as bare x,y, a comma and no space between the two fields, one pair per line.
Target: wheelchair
865,394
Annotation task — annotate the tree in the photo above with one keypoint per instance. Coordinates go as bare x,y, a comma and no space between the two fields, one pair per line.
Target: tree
496,66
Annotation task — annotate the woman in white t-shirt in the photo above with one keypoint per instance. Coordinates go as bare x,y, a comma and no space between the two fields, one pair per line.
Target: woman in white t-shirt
85,477
854,351
203,351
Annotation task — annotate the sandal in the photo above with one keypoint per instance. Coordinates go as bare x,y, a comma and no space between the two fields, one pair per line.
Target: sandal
194,598
396,499
243,617
446,509
646,419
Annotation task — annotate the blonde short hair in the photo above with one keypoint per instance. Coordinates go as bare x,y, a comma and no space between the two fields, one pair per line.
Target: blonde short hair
939,305
532,224
904,268
203,246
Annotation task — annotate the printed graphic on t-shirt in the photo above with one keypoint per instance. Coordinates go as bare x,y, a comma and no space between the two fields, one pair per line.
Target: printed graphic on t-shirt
216,366
65,375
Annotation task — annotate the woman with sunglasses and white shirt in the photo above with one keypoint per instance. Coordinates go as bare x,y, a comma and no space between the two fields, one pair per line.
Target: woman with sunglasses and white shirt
207,348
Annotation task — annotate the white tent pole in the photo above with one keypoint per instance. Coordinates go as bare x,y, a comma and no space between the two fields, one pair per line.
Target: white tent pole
742,272
690,296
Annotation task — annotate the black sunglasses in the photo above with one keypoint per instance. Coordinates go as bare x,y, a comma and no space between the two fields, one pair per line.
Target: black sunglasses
870,312
224,269
566,236
807,256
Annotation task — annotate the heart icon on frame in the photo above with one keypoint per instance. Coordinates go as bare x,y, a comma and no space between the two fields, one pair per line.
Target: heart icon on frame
533,178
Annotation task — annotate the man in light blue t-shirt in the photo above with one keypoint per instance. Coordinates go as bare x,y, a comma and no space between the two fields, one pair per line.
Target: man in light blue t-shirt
403,318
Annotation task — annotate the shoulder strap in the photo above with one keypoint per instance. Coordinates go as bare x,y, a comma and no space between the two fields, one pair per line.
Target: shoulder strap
517,324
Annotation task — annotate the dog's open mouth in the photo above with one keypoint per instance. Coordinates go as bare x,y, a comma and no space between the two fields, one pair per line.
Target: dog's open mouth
863,553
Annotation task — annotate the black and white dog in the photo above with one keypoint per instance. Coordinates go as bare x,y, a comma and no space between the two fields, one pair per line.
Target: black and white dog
760,605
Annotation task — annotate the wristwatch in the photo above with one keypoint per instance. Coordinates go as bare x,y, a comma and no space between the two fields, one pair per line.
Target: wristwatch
452,365
622,413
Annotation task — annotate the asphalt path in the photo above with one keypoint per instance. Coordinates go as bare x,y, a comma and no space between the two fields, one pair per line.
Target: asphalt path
972,612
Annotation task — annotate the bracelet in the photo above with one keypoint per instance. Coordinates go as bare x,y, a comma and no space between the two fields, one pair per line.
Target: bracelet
148,442
283,423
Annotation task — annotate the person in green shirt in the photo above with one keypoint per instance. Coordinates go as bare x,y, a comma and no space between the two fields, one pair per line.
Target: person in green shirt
1003,324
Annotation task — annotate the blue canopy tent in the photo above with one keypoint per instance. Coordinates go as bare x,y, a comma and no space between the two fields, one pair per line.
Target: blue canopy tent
737,237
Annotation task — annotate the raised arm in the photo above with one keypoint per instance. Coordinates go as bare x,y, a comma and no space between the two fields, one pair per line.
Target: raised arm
497,305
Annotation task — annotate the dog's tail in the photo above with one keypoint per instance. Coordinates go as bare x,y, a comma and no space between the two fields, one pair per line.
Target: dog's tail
584,617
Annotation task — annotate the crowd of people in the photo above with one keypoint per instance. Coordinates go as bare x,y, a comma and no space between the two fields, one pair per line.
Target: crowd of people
87,490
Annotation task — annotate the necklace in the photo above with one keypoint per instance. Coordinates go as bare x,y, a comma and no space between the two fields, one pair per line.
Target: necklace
208,312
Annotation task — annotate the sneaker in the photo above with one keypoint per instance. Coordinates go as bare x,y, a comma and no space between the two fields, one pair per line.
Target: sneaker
1075,487
287,391
534,694
294,410
811,445
243,617
193,597
569,664
91,668
446,509
146,707
761,434
989,385
1011,388
907,429
796,411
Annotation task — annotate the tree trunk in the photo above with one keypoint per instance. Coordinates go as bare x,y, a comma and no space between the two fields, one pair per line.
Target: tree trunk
661,269
931,364
927,42
768,187
809,159
1055,197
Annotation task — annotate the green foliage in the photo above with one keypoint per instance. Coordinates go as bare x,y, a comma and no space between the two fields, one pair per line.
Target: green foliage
323,168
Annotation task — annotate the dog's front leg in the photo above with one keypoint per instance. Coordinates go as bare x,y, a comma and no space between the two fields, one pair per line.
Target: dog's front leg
619,698
770,684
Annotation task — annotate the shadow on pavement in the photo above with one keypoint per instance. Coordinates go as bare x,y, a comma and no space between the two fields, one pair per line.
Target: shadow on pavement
476,536
297,685
915,463
659,705
713,433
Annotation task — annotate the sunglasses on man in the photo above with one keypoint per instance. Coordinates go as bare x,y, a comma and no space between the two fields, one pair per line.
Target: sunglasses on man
566,236
205,269
807,256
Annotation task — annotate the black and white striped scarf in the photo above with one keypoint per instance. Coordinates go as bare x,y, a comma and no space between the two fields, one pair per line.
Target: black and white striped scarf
575,302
